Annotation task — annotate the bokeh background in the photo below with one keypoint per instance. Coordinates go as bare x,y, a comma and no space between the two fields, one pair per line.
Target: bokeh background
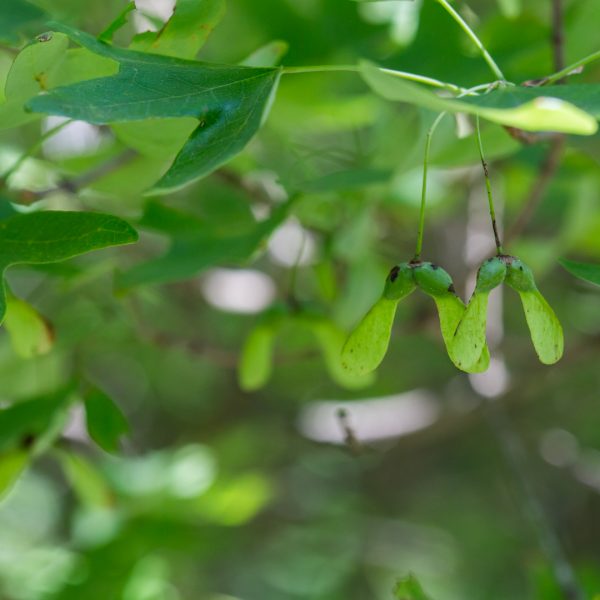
220,494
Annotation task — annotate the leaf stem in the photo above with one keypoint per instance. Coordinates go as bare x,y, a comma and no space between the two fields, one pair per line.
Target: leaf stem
393,72
421,230
568,70
488,186
486,55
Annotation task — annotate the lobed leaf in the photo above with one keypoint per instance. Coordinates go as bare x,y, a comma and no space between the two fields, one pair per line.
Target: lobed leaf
228,103
367,345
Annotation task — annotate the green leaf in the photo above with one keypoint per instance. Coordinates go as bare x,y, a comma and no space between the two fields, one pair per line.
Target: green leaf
35,69
268,55
544,326
367,345
547,108
186,31
331,340
228,102
120,21
24,423
408,588
106,424
12,465
256,359
586,271
53,236
30,334
202,248
16,16
466,345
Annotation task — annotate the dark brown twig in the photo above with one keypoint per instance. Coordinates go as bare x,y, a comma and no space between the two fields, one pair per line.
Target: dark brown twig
558,35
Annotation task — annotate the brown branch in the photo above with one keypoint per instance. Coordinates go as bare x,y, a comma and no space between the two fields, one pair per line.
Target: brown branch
536,193
558,35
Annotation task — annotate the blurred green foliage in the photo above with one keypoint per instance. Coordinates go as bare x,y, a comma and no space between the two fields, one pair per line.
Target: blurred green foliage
216,493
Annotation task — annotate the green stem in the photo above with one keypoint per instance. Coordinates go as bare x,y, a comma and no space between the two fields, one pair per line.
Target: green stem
486,55
488,186
568,70
33,149
356,69
421,231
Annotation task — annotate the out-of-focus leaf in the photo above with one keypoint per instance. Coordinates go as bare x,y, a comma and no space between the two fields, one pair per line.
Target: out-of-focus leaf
586,271
409,588
12,464
549,108
368,343
256,359
268,55
30,334
229,103
34,70
87,482
52,236
346,180
117,23
106,424
192,253
16,16
185,32
23,423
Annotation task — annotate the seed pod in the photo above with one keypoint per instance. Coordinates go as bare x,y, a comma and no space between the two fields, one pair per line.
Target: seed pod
366,347
451,310
399,283
491,274
433,280
544,326
331,341
256,360
519,276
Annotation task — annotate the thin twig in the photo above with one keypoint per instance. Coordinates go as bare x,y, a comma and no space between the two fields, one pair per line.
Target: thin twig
558,35
516,458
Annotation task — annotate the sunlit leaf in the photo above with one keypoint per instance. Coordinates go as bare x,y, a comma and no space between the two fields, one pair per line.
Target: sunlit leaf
105,421
268,55
30,334
409,588
12,464
549,108
185,32
228,102
469,339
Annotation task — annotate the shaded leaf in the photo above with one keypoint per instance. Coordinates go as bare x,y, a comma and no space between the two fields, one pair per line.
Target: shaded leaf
17,16
52,236
228,102
367,345
547,108
105,422
586,271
